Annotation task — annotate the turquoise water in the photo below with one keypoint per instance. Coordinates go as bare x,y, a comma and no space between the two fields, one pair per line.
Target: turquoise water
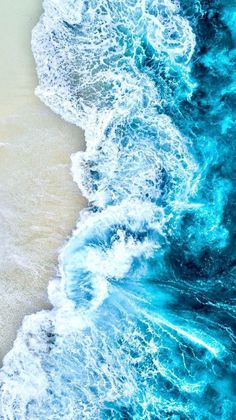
143,325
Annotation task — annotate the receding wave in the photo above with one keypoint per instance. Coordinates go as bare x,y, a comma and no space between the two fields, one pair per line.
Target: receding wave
142,320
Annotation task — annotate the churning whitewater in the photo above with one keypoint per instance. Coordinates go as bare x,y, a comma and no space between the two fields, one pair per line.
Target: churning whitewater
142,325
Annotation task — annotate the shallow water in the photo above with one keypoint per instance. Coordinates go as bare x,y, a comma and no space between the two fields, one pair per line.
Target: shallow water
143,319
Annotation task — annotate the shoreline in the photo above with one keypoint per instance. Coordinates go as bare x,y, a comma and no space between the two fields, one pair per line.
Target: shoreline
40,202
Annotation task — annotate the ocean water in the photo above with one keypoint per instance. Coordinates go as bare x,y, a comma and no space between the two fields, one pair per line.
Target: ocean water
143,318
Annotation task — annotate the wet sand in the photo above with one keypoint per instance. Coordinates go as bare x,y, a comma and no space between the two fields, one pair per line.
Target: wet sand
39,203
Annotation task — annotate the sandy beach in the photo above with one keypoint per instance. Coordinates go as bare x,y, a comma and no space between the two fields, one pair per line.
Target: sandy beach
39,203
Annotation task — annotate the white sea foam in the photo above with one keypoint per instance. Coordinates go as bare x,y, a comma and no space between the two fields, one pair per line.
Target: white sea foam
70,361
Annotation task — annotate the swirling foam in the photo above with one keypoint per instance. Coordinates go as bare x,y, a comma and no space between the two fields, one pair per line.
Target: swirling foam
118,344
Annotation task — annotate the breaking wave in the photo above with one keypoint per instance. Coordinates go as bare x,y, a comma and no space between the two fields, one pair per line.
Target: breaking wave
142,319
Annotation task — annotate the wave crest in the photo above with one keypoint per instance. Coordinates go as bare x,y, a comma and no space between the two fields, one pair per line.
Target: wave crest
119,342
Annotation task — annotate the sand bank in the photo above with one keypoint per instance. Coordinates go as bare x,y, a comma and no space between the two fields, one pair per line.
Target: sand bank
39,203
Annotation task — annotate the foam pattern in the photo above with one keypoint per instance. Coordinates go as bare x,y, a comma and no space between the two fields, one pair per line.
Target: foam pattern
142,325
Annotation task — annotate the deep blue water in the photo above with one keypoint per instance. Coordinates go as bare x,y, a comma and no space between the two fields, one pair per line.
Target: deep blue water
143,325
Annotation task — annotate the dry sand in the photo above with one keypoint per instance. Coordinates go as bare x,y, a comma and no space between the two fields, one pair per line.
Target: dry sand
39,203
